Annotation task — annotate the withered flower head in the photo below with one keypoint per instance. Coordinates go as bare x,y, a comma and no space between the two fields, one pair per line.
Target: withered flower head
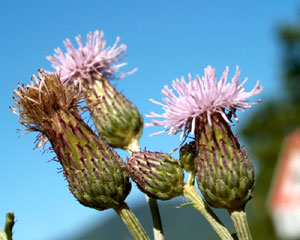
93,170
39,101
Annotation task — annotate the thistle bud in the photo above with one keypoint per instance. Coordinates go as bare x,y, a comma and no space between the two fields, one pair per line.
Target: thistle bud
93,170
187,156
225,175
115,117
156,174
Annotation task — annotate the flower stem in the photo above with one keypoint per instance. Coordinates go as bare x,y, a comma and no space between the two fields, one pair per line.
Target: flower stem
131,222
8,229
241,224
134,146
191,193
156,219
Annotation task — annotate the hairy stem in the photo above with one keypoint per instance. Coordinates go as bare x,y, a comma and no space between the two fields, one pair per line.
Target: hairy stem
191,193
241,224
131,222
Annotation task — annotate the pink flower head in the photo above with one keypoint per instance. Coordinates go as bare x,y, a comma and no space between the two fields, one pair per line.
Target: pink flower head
201,96
87,60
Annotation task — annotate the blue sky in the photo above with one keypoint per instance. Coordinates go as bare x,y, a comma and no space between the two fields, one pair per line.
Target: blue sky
165,40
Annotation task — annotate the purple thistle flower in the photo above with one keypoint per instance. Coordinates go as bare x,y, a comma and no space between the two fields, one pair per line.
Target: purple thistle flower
201,97
93,58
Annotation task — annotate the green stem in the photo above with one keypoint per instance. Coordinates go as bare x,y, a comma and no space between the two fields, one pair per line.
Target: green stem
134,146
131,222
156,220
158,232
241,224
10,221
191,179
191,193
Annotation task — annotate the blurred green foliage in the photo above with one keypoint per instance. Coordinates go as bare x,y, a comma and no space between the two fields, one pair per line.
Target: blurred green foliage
266,128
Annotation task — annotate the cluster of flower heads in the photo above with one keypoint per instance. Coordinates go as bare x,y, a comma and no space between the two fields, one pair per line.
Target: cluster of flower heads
201,97
93,58
95,172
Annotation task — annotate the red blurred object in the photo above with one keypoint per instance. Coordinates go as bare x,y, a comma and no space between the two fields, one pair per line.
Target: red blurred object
284,200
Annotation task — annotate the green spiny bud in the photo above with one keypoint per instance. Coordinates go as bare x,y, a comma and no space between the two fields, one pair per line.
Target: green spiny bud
188,156
115,117
225,175
156,174
94,171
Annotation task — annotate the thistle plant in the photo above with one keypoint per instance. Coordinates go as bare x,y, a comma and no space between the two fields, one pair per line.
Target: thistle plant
94,171
92,66
204,107
116,119
201,108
